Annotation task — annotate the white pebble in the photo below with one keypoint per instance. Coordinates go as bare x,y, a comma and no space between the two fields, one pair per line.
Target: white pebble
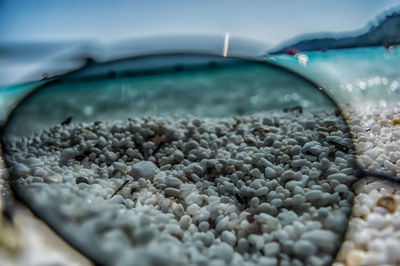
324,239
21,170
173,181
228,237
375,220
144,169
304,248
272,249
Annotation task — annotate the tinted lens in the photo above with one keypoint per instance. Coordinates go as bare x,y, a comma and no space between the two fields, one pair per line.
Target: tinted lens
185,159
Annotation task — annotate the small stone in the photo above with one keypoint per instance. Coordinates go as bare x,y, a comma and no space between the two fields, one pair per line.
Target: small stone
288,175
56,178
222,251
33,162
160,177
203,226
185,222
178,155
228,237
355,257
122,167
144,169
272,249
67,154
324,239
269,172
172,192
102,142
262,191
222,224
255,172
81,179
342,178
256,240
304,248
287,217
299,163
243,245
111,156
37,179
21,170
341,188
268,261
40,172
266,208
173,181
276,202
298,199
375,220
270,221
314,195
387,202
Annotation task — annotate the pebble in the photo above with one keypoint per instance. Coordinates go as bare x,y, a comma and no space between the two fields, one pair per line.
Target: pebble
355,257
272,249
21,170
256,240
120,166
228,237
375,220
314,195
387,202
323,239
172,192
144,169
243,245
111,156
340,177
173,181
56,178
81,179
269,172
203,226
185,221
222,251
304,248
67,154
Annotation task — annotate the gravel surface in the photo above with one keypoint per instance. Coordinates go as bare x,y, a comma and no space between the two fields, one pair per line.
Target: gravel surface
28,241
373,232
252,190
373,236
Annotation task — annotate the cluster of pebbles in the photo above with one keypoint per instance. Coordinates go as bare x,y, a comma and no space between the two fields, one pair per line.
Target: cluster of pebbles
373,236
263,189
377,134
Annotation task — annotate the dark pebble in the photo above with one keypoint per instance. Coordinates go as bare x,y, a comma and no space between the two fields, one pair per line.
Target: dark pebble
81,180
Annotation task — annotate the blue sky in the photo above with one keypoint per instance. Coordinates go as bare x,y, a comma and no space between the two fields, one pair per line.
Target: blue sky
109,21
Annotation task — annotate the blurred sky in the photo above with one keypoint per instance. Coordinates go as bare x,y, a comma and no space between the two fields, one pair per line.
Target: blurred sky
109,21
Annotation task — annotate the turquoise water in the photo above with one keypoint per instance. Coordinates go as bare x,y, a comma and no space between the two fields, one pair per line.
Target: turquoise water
349,75
211,93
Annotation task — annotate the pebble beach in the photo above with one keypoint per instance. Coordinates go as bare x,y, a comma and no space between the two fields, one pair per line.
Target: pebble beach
253,227
191,209
373,235
252,190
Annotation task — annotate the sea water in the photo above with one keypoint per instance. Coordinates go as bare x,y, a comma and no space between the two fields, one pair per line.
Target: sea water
349,75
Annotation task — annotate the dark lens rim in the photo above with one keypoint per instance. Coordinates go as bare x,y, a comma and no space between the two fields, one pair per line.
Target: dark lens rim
360,173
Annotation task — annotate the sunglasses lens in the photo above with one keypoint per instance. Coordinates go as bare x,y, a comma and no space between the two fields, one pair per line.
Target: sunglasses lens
185,159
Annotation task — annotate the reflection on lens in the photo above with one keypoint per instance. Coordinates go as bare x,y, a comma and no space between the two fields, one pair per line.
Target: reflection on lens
246,164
